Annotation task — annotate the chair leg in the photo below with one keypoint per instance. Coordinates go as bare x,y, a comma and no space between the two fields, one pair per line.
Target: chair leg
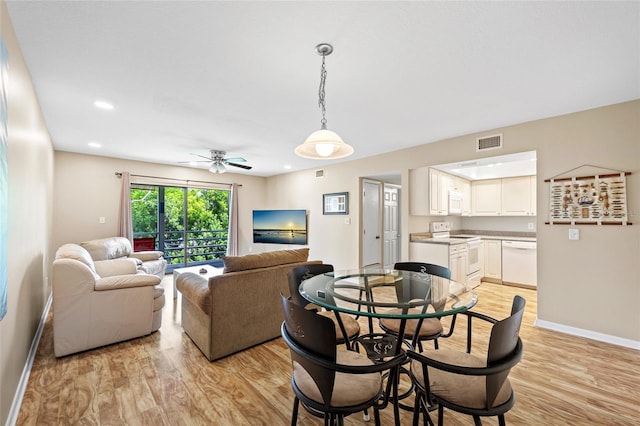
501,421
294,414
376,416
435,343
416,408
440,415
477,421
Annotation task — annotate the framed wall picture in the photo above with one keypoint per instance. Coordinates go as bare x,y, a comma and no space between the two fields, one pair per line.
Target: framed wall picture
336,203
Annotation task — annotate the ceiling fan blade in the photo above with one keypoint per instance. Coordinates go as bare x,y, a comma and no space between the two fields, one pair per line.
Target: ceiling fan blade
236,160
242,166
202,156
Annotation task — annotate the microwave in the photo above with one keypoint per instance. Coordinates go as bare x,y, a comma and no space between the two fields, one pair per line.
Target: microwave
455,202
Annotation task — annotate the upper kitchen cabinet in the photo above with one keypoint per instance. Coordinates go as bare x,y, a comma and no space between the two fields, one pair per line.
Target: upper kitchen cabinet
429,192
439,186
519,196
486,197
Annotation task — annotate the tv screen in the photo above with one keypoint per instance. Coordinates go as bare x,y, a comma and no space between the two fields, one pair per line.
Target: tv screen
280,226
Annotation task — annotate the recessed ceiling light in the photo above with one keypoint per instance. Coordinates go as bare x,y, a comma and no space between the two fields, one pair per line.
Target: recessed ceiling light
287,166
193,163
103,105
94,144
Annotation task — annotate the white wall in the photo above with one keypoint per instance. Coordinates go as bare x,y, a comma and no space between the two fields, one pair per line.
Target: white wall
30,164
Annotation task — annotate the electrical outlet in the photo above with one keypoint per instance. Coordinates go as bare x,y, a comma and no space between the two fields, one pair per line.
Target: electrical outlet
530,226
574,234
347,221
102,219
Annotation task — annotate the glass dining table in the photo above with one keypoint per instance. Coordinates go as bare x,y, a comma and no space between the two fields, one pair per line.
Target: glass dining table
387,293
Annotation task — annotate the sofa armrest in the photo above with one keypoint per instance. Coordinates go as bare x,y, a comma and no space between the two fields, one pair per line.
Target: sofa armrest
120,266
126,281
147,255
196,289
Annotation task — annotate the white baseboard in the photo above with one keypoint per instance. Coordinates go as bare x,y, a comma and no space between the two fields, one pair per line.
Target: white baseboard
627,343
26,371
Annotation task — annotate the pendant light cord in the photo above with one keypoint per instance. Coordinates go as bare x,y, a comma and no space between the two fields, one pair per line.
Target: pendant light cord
323,79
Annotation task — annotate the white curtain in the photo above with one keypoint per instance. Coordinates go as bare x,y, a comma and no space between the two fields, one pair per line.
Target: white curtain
125,223
232,244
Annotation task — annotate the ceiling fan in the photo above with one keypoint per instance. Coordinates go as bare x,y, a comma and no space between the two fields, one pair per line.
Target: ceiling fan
218,161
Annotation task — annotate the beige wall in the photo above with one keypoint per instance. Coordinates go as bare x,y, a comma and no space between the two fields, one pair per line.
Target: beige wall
86,189
30,160
592,284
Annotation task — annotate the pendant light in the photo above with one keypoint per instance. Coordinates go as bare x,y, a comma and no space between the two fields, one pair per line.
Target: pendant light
323,144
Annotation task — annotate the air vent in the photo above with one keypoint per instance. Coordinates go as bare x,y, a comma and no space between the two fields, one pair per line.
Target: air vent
320,173
489,142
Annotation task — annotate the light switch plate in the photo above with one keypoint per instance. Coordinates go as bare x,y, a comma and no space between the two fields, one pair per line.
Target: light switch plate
574,234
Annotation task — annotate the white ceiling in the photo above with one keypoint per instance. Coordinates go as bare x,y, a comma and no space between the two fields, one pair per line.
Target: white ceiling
187,77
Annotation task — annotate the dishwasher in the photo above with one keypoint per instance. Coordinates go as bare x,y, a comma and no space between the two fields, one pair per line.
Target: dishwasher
519,262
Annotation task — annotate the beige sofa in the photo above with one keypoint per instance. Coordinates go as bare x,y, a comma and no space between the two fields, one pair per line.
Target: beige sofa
240,308
150,262
102,302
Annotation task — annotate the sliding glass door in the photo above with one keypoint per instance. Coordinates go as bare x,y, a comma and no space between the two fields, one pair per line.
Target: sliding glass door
190,225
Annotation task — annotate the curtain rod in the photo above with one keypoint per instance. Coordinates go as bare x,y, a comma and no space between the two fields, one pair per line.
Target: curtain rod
119,174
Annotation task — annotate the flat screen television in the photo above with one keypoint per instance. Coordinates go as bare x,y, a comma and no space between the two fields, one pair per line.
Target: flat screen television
280,226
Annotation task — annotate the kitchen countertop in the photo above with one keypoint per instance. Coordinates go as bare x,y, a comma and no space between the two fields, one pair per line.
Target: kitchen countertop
425,237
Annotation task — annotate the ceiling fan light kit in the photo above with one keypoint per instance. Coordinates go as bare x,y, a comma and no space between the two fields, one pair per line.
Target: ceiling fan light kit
323,144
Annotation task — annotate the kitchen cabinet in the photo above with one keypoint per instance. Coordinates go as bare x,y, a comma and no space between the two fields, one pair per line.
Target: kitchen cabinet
518,193
486,197
453,256
493,259
458,262
439,185
515,196
429,192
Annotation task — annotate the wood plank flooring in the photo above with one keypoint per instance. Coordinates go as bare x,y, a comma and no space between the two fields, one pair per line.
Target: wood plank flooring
163,379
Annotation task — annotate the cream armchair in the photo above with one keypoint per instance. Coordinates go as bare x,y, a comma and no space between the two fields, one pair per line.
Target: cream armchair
102,302
150,261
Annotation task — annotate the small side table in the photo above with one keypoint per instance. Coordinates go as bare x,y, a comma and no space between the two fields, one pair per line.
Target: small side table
211,272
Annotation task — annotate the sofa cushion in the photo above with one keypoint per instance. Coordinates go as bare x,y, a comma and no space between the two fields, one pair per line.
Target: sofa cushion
108,248
264,260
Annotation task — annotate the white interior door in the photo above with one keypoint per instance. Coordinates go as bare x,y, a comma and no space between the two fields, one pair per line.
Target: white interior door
391,220
371,226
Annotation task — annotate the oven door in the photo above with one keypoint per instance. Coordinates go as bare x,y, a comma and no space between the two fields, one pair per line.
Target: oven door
473,256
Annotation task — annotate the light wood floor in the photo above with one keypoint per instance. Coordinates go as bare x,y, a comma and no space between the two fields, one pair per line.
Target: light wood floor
163,379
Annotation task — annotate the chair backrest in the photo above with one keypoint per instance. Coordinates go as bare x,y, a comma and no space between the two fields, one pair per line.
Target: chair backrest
425,268
310,335
504,345
301,273
419,291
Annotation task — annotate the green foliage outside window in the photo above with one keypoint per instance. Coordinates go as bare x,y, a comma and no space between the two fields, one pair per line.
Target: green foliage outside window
207,221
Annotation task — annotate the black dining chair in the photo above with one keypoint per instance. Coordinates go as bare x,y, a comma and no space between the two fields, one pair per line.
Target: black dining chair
469,384
330,382
419,330
347,327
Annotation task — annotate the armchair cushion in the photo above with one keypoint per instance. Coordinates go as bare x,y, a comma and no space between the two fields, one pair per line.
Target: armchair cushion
151,262
108,248
147,255
122,266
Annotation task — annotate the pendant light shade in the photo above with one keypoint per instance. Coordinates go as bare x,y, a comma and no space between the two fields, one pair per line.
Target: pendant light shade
323,144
